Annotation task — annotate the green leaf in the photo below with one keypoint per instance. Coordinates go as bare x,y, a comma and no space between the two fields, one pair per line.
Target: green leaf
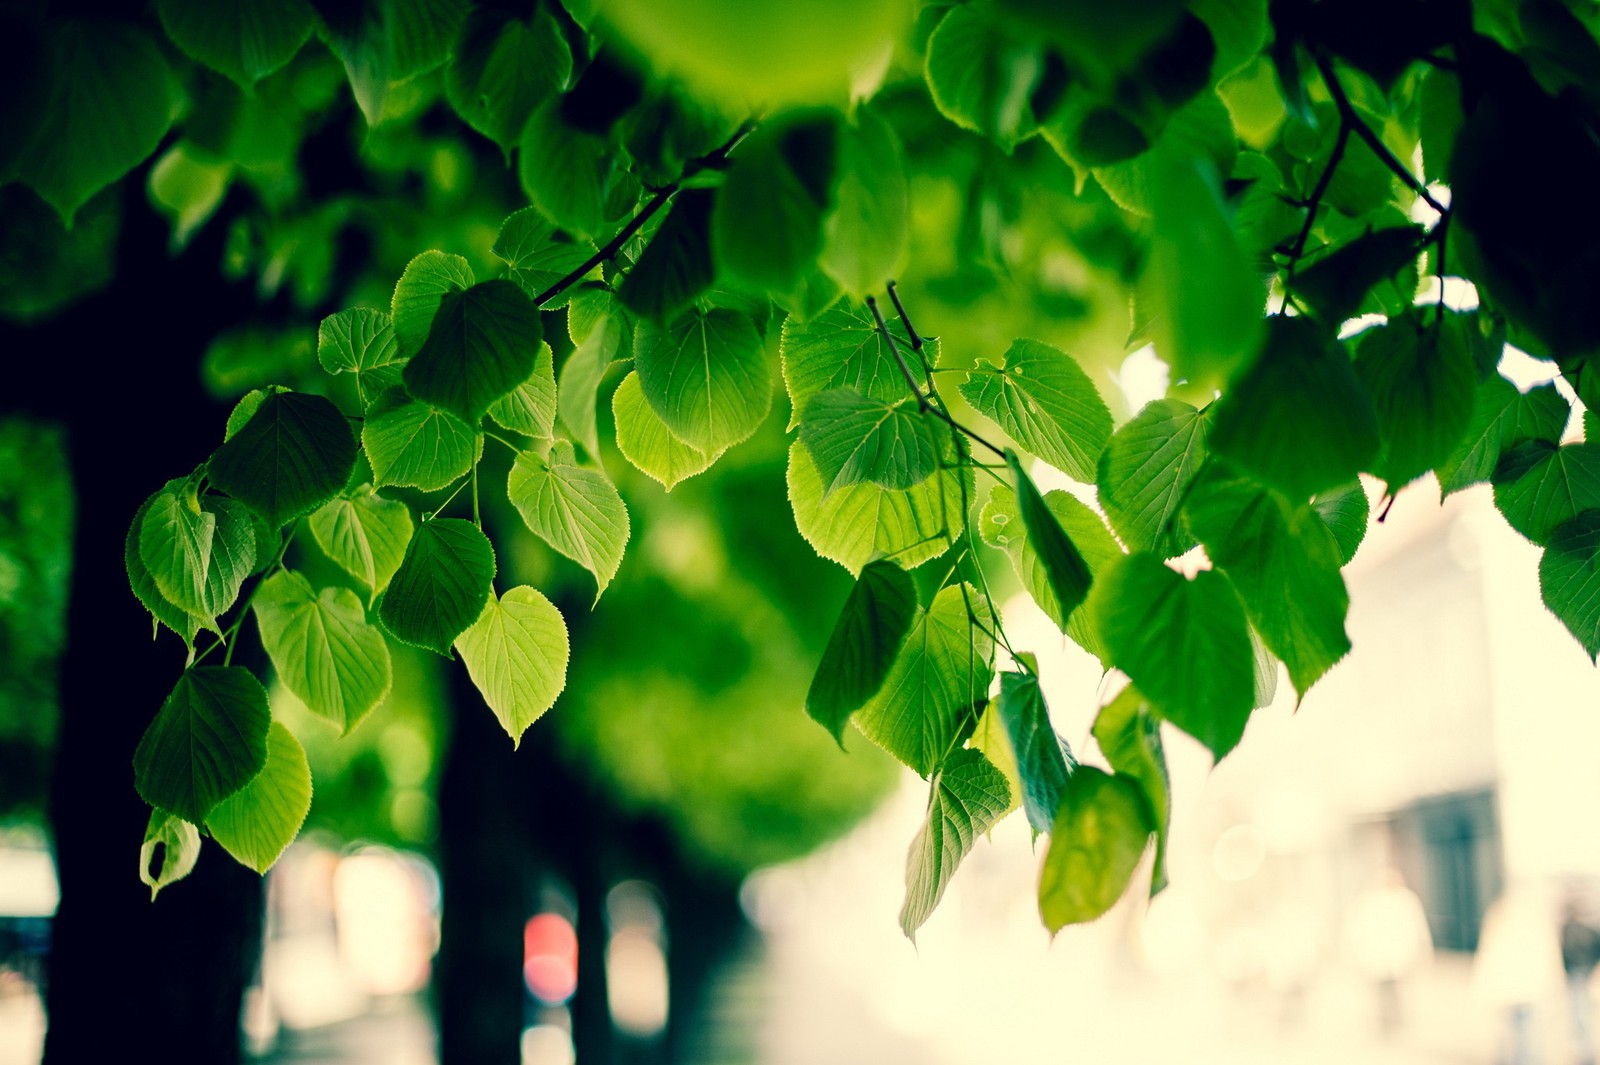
644,439
926,704
1185,644
257,823
1000,524
427,280
863,522
767,227
581,375
675,268
706,376
1284,563
516,653
853,439
980,73
420,33
1298,418
502,68
143,582
966,798
865,640
1207,320
1064,568
865,235
1335,285
188,184
1098,838
441,585
842,348
244,410
179,849
1502,418
565,172
527,244
1044,401
294,454
574,510
208,740
244,39
1540,486
1129,736
361,341
991,740
1145,471
235,552
411,443
1043,761
108,95
1422,382
365,534
1201,129
1345,510
175,540
323,648
480,348
1569,579
530,408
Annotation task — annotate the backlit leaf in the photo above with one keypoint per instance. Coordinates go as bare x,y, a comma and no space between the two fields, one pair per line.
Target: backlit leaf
1129,736
1540,486
481,347
1098,838
573,509
527,244
1145,471
566,172
865,234
967,797
412,443
706,376
675,268
516,653
417,295
1422,382
1064,568
1345,509
170,850
244,39
1044,401
257,823
1502,418
323,648
853,439
842,348
503,67
1569,578
644,439
1043,761
361,341
365,534
530,408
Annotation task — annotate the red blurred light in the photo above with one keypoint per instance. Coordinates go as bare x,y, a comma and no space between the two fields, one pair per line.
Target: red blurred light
550,958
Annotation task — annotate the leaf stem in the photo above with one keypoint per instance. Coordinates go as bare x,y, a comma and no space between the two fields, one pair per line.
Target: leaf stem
711,159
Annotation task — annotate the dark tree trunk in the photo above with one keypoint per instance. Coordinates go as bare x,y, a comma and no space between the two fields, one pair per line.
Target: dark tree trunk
120,371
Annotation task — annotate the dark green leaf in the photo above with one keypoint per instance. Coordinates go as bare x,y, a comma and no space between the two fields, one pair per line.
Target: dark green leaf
1569,578
441,586
417,295
676,267
1502,418
929,700
1043,761
1539,486
294,454
1334,286
1185,643
1145,471
1284,563
1064,566
766,230
867,229
537,260
207,741
1045,402
568,174
1129,736
1298,418
967,797
865,640
244,39
980,73
411,443
481,347
143,582
1098,838
502,68
1422,382
707,376
853,439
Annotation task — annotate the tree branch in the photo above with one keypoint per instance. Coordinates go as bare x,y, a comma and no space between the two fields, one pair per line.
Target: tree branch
1348,116
708,161
1298,248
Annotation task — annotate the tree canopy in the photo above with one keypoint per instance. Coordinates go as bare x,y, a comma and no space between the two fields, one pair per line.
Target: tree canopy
922,240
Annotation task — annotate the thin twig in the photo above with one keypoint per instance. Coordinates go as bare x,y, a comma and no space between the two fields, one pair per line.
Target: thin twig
1298,248
1348,116
923,404
659,200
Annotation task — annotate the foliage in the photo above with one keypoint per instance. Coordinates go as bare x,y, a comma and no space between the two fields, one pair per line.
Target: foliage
720,193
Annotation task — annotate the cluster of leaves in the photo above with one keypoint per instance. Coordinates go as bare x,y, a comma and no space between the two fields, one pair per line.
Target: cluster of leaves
1251,180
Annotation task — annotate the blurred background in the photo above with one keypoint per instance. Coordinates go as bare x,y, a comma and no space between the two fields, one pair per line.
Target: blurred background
679,866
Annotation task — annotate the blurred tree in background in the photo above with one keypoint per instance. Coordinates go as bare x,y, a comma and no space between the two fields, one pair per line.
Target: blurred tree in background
423,248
